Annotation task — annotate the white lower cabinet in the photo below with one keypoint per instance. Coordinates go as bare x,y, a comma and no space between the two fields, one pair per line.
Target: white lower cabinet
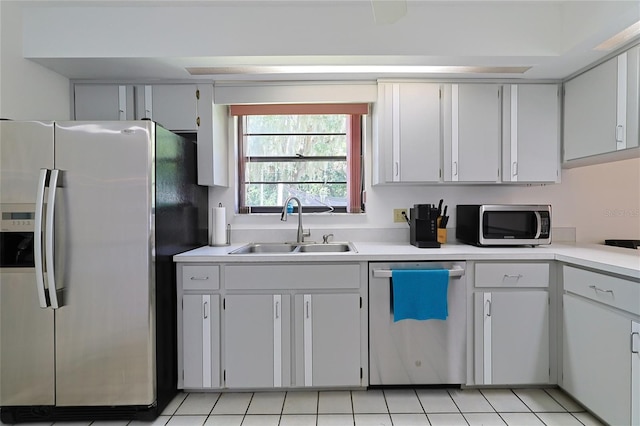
265,326
601,343
513,331
201,340
601,360
198,326
327,328
257,341
513,323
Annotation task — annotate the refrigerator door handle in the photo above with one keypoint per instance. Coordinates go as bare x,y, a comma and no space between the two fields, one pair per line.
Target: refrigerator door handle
37,237
48,239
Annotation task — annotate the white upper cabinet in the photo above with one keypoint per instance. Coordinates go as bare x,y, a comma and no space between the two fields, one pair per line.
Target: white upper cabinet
601,108
472,132
173,106
466,132
103,102
181,108
407,133
531,133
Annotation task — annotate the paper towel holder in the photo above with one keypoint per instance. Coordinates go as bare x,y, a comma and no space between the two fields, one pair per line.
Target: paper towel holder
227,231
228,242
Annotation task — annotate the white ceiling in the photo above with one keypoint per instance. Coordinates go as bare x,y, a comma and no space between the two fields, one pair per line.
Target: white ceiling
143,40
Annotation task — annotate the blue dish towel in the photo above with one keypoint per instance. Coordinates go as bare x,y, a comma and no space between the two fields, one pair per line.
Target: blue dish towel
420,294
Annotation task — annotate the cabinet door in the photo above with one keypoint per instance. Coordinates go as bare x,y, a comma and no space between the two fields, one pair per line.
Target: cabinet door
631,110
408,132
213,139
416,139
635,373
328,340
531,133
597,361
174,106
257,341
472,115
590,112
201,341
515,337
103,102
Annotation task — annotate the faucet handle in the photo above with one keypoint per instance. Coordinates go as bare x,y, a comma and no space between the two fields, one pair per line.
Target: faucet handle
325,238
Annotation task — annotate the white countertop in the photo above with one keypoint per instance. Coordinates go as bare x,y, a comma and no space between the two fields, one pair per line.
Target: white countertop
616,260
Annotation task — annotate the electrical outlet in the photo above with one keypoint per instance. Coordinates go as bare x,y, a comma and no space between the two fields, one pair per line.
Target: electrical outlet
398,216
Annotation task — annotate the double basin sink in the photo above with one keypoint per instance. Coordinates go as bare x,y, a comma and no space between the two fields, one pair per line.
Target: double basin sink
266,248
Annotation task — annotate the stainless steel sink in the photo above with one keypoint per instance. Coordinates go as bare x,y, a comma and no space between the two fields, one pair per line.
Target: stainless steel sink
262,248
325,248
266,248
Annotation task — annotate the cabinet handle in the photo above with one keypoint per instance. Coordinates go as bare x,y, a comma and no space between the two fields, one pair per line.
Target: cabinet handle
507,276
619,133
199,278
307,308
397,168
205,313
634,348
488,308
515,168
122,102
597,289
455,168
277,310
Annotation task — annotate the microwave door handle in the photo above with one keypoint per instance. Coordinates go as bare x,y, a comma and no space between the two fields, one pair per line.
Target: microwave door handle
48,239
37,238
539,225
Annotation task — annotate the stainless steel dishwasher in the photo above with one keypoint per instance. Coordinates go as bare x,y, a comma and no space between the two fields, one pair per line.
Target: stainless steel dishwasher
411,352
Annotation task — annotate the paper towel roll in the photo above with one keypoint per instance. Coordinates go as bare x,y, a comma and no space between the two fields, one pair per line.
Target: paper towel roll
219,231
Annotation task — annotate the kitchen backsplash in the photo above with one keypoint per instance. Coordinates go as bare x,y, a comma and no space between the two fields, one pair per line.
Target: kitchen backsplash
598,202
391,235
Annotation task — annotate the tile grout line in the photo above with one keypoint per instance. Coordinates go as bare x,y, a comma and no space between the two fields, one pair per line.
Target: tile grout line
535,413
282,407
422,406
559,403
384,395
317,408
353,414
496,411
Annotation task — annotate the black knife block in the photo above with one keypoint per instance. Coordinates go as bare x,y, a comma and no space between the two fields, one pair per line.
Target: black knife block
423,232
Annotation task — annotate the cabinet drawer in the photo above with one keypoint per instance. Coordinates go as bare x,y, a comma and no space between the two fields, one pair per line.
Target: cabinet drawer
613,291
292,277
200,277
512,275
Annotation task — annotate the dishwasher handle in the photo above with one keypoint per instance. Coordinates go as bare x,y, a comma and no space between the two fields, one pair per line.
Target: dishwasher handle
456,272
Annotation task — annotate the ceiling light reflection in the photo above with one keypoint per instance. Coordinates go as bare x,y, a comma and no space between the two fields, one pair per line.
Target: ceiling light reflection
356,69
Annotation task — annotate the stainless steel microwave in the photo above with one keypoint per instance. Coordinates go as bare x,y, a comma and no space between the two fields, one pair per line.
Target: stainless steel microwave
503,224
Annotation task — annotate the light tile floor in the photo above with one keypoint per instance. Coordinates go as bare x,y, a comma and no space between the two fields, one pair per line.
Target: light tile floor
375,407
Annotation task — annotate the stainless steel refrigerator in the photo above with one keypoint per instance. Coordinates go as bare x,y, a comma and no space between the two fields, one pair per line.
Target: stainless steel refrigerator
92,213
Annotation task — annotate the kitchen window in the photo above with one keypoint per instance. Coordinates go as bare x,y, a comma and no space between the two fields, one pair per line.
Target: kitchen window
310,151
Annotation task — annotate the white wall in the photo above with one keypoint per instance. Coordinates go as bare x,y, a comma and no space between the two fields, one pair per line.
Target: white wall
601,201
28,91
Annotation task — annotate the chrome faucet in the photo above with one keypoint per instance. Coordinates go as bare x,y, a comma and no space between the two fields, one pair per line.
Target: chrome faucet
283,217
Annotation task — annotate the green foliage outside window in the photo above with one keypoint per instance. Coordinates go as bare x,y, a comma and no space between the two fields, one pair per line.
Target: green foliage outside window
301,155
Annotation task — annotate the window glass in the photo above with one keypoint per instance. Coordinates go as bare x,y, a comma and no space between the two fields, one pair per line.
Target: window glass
301,155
